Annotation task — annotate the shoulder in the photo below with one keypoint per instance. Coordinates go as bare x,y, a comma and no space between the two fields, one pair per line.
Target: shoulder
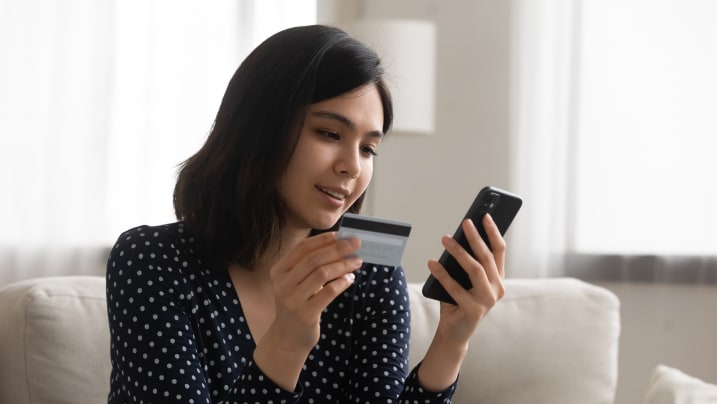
158,236
149,241
167,248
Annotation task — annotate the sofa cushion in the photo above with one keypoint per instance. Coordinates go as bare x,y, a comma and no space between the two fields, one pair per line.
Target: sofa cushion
672,386
54,341
547,341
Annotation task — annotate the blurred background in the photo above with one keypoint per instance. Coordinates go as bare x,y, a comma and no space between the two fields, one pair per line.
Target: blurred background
599,113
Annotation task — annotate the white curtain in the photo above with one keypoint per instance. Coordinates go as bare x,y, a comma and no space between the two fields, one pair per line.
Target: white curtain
543,66
99,103
614,139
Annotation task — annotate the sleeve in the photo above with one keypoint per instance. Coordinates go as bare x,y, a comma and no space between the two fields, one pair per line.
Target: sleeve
156,350
381,348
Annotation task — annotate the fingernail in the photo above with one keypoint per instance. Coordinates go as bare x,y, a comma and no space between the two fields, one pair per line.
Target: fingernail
352,241
356,261
350,277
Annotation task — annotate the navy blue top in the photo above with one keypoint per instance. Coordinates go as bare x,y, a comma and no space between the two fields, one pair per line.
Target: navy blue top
178,333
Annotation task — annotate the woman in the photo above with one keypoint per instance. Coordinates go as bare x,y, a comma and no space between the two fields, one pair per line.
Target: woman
251,297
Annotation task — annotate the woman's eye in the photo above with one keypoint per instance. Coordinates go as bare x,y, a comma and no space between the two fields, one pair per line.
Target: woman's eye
328,134
369,151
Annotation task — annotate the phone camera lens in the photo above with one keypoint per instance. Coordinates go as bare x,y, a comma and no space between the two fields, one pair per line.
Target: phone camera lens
492,202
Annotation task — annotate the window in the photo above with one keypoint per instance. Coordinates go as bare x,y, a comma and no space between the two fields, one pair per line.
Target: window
613,139
645,156
100,101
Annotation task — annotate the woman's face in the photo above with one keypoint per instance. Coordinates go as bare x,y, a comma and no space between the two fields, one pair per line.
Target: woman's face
333,161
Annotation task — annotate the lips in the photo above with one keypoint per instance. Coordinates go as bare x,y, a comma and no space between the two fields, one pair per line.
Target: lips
336,193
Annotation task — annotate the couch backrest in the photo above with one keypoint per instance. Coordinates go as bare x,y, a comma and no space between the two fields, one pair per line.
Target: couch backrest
54,341
548,341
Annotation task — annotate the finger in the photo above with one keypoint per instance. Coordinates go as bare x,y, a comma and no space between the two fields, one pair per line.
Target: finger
320,260
475,270
293,269
303,248
480,249
450,285
323,275
497,243
326,294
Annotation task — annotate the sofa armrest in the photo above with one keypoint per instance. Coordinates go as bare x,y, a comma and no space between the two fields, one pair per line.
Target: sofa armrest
547,341
54,341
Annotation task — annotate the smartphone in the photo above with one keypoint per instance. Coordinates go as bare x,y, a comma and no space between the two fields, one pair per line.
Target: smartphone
502,206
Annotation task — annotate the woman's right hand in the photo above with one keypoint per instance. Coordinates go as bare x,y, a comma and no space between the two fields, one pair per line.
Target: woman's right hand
305,281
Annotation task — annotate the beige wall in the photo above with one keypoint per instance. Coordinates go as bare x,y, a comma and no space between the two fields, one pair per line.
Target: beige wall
429,181
670,324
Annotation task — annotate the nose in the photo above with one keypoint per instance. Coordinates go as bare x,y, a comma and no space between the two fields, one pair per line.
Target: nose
348,164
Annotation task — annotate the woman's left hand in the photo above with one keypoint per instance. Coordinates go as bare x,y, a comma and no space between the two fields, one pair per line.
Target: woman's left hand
486,272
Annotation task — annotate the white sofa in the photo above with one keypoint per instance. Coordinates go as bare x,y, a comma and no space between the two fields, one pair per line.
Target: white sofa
551,341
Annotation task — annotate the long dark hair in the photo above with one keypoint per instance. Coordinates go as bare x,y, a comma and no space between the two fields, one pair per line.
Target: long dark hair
227,192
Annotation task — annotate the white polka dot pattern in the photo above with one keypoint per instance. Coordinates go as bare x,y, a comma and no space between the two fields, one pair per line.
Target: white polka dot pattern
178,333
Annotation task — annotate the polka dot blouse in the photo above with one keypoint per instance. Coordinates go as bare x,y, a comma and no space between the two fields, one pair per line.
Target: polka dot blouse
178,333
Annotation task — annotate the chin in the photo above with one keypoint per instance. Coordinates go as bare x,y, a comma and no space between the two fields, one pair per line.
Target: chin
327,223
326,226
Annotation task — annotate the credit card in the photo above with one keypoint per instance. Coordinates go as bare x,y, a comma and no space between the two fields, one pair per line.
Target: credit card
382,240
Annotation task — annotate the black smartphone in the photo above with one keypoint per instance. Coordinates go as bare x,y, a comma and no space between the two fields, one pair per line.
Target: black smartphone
502,206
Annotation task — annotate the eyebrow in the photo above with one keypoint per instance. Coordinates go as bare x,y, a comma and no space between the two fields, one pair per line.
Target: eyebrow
345,121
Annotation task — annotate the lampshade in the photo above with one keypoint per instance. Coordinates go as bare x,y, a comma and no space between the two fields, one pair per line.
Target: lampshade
407,50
